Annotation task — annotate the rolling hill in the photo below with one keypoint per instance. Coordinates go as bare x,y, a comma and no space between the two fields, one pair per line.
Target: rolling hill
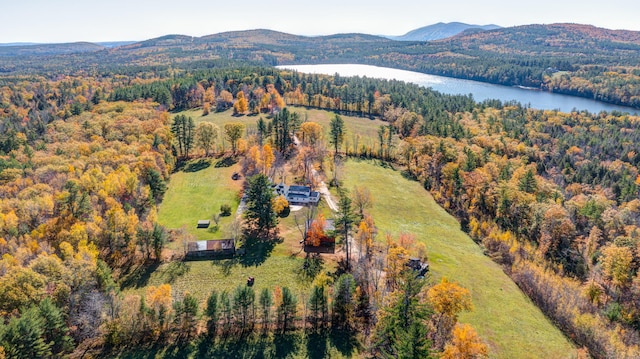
49,49
573,59
441,31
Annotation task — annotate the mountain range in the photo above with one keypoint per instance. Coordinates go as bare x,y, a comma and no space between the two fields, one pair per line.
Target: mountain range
441,30
427,33
574,59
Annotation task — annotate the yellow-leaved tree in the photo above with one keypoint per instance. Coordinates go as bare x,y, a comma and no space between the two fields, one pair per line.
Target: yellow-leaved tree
241,106
280,204
448,299
616,264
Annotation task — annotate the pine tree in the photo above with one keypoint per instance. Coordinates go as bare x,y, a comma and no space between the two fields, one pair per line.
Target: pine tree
344,221
336,133
287,309
183,129
56,331
318,305
212,311
261,219
243,306
24,337
343,308
266,301
528,182
401,331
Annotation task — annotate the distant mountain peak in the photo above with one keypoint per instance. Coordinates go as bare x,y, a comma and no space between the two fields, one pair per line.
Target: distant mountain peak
441,30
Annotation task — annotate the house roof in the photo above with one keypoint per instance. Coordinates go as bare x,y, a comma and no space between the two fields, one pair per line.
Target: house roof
297,195
304,189
211,245
329,224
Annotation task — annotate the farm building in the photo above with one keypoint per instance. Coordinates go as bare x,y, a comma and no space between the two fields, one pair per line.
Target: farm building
211,248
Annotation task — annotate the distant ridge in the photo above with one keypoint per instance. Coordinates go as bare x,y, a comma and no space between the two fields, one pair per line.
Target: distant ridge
19,43
115,43
49,49
441,30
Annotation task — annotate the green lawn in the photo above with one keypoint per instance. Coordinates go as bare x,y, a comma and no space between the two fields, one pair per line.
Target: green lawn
198,195
505,318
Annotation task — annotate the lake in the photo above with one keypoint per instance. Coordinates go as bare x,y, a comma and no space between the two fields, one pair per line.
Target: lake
479,90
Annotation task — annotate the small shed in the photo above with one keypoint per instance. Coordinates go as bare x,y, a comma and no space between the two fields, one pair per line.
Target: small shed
418,266
204,223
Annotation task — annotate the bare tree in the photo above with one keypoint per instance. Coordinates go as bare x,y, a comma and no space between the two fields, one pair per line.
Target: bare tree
235,228
303,217
216,219
362,199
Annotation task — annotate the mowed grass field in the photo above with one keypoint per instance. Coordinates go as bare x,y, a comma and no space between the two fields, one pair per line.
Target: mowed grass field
511,325
196,195
362,131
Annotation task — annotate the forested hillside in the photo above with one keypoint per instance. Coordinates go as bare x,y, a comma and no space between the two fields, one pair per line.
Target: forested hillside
578,60
552,197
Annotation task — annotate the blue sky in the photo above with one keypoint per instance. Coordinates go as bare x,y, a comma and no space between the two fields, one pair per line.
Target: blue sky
111,20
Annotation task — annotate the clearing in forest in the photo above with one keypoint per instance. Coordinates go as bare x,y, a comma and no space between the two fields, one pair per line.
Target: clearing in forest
510,324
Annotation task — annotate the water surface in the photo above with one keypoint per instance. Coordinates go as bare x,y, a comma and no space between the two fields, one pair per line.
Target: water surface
479,90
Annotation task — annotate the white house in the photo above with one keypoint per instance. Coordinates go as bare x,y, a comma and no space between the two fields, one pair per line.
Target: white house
297,194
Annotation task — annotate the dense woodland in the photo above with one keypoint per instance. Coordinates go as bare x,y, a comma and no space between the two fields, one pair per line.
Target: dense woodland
552,197
573,59
82,174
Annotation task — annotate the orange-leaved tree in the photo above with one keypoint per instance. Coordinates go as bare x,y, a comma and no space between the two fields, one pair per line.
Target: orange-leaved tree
465,344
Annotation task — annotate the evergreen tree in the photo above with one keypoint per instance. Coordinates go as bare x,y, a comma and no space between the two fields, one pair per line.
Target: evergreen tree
212,311
344,221
156,183
318,305
186,314
336,133
56,332
266,300
243,306
183,129
262,130
227,313
401,331
528,182
343,308
260,217
284,124
24,337
287,309
158,239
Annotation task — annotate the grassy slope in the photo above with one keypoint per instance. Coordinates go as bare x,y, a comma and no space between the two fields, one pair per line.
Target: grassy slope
506,319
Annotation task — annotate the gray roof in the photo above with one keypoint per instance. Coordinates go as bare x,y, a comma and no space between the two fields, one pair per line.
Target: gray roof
304,189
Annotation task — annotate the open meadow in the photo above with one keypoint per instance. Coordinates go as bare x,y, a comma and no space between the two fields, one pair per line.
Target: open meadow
510,324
